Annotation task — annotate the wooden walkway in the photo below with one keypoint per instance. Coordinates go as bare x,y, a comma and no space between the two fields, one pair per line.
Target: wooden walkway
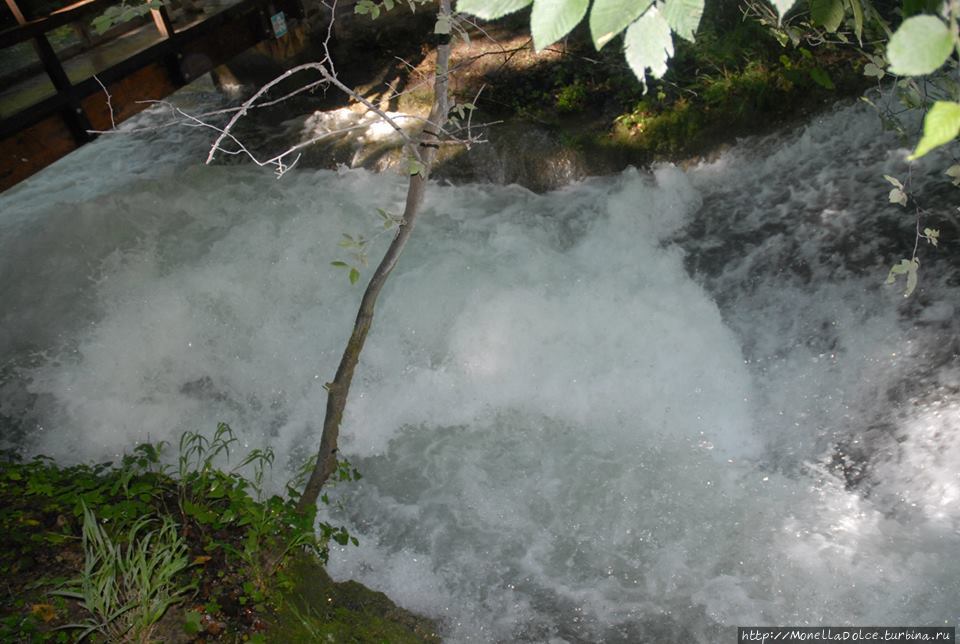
46,115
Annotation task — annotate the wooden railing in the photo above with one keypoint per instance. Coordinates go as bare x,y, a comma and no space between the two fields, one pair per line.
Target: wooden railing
38,135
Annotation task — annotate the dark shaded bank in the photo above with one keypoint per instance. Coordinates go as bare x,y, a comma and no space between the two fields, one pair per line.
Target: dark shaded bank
568,112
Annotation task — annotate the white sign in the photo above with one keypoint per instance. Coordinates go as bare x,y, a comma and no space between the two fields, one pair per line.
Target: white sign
279,23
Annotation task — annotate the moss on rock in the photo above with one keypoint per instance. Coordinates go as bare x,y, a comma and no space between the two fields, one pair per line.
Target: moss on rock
315,608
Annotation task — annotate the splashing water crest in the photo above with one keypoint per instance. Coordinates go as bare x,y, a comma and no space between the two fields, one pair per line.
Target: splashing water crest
646,407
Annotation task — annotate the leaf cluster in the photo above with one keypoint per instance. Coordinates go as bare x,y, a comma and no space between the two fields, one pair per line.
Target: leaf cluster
357,246
123,12
127,584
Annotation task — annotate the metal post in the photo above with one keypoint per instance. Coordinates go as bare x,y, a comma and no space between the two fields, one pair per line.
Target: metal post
161,18
73,114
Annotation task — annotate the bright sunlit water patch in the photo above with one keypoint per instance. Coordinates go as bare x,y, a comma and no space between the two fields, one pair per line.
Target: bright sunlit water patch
642,408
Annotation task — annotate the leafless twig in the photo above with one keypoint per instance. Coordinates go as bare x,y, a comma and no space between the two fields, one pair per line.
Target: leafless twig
113,122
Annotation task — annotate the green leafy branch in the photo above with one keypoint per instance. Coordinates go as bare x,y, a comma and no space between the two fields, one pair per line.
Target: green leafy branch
922,45
460,112
648,26
911,267
817,22
358,246
358,255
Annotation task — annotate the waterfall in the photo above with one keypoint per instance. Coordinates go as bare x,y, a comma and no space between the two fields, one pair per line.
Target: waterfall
646,407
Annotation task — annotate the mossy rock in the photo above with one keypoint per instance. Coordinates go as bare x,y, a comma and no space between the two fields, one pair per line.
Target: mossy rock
314,608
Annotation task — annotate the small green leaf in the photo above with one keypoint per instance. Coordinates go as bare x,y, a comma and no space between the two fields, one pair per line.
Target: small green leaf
906,267
101,24
609,17
898,269
912,277
551,20
940,126
954,173
932,235
339,264
857,8
192,622
414,167
683,16
920,46
898,196
491,9
821,78
443,25
827,13
649,44
872,70
893,181
354,275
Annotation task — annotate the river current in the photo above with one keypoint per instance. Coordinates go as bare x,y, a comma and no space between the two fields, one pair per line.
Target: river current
646,407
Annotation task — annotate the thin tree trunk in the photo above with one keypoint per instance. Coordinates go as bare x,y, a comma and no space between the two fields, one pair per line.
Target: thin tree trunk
339,389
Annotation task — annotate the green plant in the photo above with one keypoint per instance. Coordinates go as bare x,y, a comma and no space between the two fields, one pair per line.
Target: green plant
51,492
118,14
572,97
198,453
127,586
267,528
358,246
240,533
26,628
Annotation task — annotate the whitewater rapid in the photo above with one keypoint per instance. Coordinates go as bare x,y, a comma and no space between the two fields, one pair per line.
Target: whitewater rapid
648,407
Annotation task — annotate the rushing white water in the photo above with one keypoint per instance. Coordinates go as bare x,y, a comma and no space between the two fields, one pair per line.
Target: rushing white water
643,408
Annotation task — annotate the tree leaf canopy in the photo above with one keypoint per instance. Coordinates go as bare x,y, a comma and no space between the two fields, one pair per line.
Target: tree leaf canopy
551,20
609,17
683,16
919,46
649,45
491,9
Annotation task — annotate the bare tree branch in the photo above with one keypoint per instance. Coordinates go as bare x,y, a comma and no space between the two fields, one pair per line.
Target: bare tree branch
339,389
113,122
328,77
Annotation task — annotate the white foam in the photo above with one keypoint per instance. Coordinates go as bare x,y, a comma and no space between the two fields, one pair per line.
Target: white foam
564,436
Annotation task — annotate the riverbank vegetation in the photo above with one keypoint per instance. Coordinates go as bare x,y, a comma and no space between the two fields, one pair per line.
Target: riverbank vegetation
736,79
177,547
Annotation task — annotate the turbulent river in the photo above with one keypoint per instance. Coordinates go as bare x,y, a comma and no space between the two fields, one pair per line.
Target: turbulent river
642,408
